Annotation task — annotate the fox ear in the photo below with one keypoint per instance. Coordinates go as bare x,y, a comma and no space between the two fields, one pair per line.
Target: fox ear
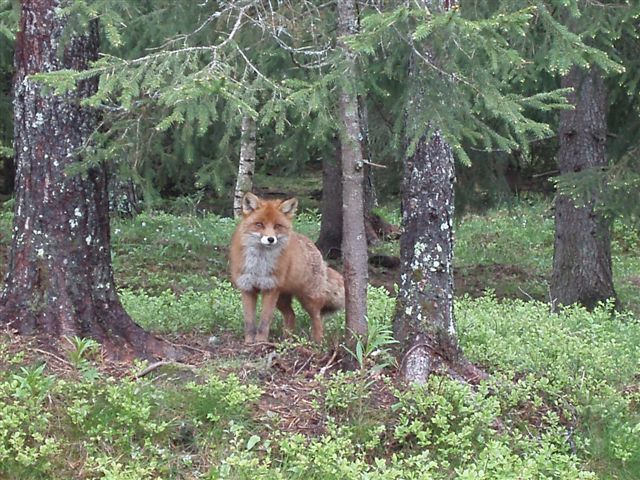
250,203
288,207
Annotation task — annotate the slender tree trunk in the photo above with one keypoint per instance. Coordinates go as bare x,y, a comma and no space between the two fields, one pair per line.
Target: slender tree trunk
247,164
330,238
124,196
424,323
59,280
370,194
9,175
354,243
582,252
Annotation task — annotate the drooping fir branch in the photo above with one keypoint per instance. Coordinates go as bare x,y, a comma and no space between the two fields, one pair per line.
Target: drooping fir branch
472,92
9,14
614,191
187,71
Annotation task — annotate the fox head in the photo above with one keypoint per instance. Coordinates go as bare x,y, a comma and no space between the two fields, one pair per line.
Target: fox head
267,222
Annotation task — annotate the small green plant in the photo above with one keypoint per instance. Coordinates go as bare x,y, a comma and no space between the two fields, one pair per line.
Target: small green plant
376,350
345,394
217,309
626,237
27,450
81,349
221,400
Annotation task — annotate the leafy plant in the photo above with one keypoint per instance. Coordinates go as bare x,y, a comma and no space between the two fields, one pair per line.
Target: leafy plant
81,349
376,349
27,449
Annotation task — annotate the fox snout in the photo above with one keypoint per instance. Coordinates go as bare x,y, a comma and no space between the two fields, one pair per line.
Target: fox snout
268,239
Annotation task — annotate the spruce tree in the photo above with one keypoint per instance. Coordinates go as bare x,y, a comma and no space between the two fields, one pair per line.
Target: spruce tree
467,66
582,267
60,281
582,264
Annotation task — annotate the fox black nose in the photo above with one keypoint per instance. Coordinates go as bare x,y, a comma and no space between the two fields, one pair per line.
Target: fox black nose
271,239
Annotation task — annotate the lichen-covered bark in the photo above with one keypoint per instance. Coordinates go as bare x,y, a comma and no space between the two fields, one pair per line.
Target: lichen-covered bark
354,243
582,253
59,280
247,164
424,321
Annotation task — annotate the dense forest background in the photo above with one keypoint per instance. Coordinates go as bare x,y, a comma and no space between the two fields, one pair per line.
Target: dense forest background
471,167
279,67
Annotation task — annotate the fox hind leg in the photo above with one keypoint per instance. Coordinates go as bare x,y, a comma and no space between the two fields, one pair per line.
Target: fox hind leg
288,315
314,309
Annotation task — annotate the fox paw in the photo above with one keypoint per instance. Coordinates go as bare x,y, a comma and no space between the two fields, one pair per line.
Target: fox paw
262,337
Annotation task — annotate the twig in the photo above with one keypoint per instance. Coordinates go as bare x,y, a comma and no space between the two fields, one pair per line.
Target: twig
268,344
189,347
329,363
526,294
54,356
373,164
545,174
303,366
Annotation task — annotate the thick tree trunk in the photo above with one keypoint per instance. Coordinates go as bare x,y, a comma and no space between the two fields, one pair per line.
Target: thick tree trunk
424,323
59,280
247,165
354,243
330,238
582,252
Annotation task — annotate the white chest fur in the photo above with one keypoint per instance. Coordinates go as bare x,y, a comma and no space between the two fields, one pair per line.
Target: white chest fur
260,263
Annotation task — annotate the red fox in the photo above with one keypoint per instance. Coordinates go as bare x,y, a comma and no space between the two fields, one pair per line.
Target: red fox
268,257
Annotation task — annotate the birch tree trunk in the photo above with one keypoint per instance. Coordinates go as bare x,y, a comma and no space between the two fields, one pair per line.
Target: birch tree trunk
59,281
582,270
247,164
354,242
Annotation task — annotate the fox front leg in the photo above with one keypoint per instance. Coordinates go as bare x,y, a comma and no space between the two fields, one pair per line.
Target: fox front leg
269,301
249,301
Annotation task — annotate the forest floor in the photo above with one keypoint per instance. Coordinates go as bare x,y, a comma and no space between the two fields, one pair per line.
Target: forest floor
563,400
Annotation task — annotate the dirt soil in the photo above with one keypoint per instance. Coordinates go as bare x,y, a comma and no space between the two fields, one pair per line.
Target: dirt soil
472,279
290,375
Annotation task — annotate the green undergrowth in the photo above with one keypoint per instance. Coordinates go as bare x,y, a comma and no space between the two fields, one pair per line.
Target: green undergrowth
509,250
562,402
157,250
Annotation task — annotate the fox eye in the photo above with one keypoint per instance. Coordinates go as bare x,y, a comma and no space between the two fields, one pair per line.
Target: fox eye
277,226
259,224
